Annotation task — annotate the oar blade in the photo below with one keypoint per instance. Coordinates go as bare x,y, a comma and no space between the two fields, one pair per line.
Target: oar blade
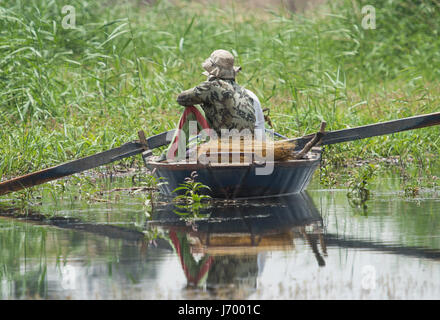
126,150
69,168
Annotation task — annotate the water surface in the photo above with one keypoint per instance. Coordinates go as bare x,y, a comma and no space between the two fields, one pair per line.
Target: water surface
309,246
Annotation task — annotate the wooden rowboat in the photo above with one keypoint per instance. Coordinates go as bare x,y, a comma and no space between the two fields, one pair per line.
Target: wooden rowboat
288,177
242,180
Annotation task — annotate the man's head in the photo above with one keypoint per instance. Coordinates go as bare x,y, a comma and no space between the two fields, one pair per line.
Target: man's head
220,65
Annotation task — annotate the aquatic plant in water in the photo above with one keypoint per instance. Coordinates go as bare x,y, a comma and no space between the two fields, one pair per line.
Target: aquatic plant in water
358,186
191,200
152,183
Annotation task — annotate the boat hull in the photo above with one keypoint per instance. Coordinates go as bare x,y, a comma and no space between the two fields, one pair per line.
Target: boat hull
240,181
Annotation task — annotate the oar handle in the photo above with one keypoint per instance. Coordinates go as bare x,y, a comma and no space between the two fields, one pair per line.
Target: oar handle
373,130
315,140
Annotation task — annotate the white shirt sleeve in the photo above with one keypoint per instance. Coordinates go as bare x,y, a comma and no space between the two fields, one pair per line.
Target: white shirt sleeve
259,117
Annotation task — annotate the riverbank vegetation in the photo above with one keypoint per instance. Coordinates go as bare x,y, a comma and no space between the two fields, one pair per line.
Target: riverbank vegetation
69,92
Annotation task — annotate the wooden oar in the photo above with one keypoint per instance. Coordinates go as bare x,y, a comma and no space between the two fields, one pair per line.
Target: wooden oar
372,130
126,150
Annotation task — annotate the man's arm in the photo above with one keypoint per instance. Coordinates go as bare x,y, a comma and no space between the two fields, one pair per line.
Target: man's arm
259,116
188,98
195,95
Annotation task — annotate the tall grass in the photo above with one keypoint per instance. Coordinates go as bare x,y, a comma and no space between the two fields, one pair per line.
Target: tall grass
67,93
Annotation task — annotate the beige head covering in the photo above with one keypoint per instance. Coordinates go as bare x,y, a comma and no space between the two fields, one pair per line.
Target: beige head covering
221,65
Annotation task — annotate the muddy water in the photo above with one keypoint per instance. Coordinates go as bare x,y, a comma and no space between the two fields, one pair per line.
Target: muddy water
310,246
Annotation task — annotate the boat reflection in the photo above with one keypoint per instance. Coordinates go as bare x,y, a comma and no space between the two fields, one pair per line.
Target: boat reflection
229,245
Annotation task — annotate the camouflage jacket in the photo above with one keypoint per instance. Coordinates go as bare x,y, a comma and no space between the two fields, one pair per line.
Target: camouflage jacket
225,103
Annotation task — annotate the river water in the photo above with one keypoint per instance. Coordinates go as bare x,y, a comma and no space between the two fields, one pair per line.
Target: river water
310,246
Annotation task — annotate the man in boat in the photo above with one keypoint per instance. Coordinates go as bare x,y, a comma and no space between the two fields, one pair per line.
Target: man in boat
218,103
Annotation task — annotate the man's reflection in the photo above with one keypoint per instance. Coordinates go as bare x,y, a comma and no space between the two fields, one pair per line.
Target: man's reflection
195,271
